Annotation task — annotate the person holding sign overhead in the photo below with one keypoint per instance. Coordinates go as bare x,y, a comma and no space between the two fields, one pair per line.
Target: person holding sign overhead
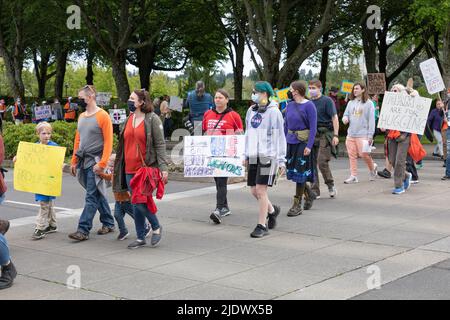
92,149
221,120
360,114
397,150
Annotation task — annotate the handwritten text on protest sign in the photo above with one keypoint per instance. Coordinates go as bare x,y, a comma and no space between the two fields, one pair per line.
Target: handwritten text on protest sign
214,156
43,112
432,76
404,113
376,83
38,169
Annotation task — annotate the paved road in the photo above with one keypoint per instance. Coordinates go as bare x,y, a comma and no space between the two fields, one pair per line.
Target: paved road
327,253
72,196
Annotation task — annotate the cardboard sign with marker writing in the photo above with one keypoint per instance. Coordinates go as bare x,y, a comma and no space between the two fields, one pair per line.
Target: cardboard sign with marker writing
376,83
214,156
346,86
38,168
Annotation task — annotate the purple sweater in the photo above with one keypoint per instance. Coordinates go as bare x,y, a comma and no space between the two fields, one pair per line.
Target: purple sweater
435,119
300,116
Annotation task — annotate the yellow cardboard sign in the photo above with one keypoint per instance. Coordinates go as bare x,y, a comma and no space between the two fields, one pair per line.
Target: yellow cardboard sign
282,94
38,168
346,86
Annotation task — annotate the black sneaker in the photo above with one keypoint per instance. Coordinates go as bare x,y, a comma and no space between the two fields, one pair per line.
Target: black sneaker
385,173
123,235
215,216
38,234
50,229
272,217
445,178
259,232
137,244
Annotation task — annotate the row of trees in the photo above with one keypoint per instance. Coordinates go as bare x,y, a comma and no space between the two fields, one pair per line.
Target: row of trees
167,35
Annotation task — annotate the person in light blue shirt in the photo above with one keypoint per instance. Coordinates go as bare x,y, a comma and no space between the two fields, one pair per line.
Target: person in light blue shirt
198,102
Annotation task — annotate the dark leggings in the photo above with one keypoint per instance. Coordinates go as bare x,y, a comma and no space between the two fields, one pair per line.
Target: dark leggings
303,189
221,186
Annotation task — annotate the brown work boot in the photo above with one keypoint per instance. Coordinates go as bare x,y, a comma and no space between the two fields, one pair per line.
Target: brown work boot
309,198
104,230
78,236
4,226
296,209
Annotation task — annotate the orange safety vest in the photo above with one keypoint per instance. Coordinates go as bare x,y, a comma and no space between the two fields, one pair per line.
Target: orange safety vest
69,114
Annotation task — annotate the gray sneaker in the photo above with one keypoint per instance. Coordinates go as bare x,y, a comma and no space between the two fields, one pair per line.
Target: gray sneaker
224,212
136,244
333,191
156,237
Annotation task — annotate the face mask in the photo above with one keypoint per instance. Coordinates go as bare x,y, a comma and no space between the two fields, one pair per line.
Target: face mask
82,103
290,96
255,98
313,93
131,106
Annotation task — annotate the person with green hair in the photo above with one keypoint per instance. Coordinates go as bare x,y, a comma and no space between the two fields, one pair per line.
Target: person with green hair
265,153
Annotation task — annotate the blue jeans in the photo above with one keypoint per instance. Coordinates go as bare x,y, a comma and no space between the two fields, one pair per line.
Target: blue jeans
4,251
140,213
447,161
120,209
94,201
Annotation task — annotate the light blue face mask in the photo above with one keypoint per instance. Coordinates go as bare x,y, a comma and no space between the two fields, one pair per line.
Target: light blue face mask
255,98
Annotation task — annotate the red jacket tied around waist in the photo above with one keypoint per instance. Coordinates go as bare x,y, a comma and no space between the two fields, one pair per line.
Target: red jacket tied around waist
145,181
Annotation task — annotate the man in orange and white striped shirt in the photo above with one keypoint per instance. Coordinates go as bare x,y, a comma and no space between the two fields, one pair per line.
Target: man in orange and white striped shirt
92,149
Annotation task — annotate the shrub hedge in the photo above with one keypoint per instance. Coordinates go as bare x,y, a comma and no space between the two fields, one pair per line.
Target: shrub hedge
63,135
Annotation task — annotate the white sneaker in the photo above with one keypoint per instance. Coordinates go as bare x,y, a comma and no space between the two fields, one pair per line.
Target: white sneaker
351,179
373,174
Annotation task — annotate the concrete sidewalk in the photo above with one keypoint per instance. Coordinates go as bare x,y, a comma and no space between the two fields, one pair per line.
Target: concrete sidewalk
323,254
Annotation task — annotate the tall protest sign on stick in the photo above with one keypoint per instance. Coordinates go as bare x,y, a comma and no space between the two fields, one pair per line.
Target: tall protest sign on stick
404,113
38,168
346,86
103,98
432,76
214,156
376,83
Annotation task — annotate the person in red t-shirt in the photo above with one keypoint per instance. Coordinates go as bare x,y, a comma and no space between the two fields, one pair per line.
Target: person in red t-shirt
221,120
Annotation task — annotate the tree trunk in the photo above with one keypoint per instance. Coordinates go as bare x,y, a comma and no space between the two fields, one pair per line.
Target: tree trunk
40,70
61,61
90,66
145,59
119,72
370,49
14,76
324,61
446,56
238,72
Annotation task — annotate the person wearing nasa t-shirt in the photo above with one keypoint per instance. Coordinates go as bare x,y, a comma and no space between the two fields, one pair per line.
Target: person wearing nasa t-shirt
265,153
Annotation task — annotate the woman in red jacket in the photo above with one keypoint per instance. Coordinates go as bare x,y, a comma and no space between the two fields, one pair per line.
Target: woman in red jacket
221,120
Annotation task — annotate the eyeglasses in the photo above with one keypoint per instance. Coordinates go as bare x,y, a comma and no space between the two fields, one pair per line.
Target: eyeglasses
90,87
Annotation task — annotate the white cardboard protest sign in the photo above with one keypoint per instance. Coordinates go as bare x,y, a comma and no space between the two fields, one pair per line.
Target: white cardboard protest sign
103,98
43,112
432,76
403,112
176,103
118,116
214,156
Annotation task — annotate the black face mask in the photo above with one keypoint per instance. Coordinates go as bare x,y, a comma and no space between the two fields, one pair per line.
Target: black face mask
131,106
82,103
290,96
